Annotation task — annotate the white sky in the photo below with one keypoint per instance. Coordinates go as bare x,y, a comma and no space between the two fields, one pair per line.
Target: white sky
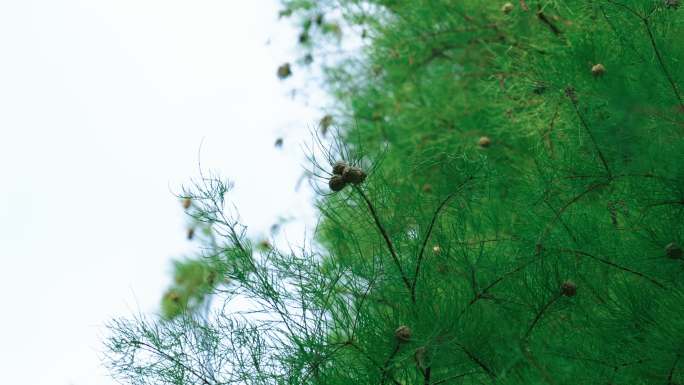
103,106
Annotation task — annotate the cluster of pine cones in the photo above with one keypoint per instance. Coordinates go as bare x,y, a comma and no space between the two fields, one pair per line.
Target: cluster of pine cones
343,174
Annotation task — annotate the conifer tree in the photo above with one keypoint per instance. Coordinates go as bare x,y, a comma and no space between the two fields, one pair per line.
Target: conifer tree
502,203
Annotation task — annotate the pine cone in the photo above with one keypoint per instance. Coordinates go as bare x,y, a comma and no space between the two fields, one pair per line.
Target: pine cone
265,245
284,71
598,70
173,296
337,183
673,250
568,288
484,142
421,357
308,59
186,203
672,4
403,333
353,175
507,8
325,123
339,166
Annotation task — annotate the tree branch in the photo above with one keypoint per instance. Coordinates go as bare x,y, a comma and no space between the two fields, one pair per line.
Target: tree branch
421,253
383,232
615,265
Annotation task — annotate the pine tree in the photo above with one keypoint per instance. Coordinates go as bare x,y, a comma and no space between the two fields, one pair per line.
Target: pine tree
502,203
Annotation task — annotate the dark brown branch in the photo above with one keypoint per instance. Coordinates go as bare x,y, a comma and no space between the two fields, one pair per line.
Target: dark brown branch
530,358
662,62
385,369
167,356
455,377
483,293
591,136
421,253
479,362
383,232
630,10
524,6
674,365
540,313
369,358
542,17
572,201
600,362
609,263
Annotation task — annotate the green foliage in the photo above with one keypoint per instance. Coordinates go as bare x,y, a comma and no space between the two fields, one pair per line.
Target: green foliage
518,216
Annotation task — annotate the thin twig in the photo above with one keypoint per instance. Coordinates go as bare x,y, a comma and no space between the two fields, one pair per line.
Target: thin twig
591,136
540,313
556,31
419,259
662,62
154,350
674,365
615,265
383,232
385,366
479,362
371,359
455,377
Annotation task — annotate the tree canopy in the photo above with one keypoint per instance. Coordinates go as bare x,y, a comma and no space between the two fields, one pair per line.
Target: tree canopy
501,202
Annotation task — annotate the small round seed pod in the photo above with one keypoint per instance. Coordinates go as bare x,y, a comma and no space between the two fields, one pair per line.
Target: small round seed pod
211,277
672,4
265,245
403,333
673,250
337,183
421,357
173,296
568,288
427,188
284,71
186,203
339,166
539,88
484,142
598,70
325,123
353,175
507,8
436,250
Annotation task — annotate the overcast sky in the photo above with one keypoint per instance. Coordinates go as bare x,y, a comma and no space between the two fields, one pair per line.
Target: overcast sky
103,106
